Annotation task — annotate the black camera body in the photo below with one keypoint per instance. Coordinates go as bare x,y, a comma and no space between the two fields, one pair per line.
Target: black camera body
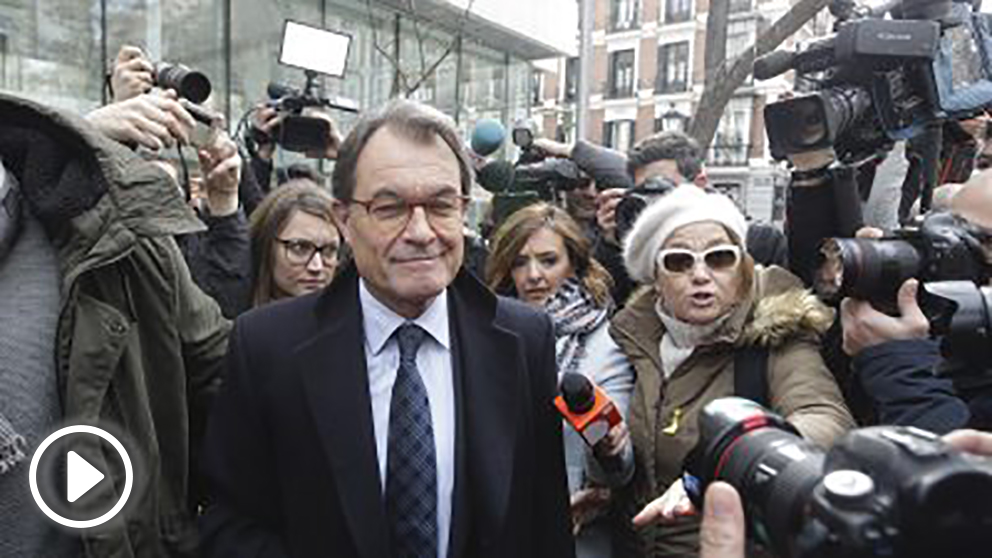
188,84
887,491
884,79
945,247
297,132
960,314
636,199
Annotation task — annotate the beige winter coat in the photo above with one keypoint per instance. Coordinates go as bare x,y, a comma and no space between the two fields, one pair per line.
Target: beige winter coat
663,414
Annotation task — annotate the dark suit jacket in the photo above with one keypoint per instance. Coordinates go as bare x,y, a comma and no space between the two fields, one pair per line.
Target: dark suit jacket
291,456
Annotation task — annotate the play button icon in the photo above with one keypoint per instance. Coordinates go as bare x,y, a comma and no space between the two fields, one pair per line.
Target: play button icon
80,476
75,508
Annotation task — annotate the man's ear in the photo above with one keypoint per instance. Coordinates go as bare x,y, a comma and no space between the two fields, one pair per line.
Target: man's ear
341,214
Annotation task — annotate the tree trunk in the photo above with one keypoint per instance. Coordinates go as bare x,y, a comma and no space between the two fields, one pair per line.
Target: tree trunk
717,21
728,77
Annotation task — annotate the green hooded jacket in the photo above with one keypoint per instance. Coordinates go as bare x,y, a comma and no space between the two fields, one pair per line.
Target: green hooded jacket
139,348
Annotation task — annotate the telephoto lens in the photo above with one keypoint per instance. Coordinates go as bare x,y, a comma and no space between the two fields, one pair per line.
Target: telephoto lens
764,458
189,84
865,269
944,248
885,491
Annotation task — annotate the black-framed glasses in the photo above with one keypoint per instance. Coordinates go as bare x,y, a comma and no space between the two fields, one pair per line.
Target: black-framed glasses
300,251
393,213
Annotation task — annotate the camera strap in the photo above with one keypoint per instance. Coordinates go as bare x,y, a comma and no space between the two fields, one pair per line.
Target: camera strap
751,374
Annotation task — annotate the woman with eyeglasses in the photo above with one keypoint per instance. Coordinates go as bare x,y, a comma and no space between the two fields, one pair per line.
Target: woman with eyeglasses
541,256
294,243
708,323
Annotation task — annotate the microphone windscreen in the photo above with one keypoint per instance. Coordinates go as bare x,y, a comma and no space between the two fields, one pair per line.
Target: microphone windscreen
773,64
278,90
488,136
496,176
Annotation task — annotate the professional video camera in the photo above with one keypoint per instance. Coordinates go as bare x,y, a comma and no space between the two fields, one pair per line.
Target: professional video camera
316,51
884,79
188,84
636,199
547,176
887,491
944,247
960,314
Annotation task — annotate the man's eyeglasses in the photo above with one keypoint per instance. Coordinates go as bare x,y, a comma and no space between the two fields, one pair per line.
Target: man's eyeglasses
717,258
300,251
393,213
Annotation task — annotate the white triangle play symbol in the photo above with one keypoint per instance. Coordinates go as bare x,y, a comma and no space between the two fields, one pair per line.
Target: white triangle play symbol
80,476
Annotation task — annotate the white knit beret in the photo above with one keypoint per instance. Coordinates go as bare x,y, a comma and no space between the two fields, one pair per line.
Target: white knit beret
685,205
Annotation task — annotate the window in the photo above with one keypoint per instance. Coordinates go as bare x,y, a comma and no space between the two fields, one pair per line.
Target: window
621,74
673,68
730,144
677,10
619,134
537,87
738,6
740,37
624,14
572,79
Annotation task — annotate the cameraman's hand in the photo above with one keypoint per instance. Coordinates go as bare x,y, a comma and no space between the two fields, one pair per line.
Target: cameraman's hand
722,534
673,504
133,74
221,166
152,120
552,148
971,441
606,213
866,327
333,139
265,119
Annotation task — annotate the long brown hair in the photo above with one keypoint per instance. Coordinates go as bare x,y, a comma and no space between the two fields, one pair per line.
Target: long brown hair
514,233
268,221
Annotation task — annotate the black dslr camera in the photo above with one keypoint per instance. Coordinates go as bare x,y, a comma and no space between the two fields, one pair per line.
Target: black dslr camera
546,176
944,247
636,199
960,314
887,491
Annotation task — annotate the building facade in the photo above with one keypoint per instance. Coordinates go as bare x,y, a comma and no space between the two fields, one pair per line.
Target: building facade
470,63
648,76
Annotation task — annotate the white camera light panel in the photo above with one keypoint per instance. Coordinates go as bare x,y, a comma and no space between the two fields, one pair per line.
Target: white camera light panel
312,48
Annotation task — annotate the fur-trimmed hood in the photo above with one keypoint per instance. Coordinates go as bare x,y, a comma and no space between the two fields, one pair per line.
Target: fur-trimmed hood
777,317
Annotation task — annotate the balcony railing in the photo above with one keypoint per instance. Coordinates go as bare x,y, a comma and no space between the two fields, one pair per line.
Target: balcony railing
729,154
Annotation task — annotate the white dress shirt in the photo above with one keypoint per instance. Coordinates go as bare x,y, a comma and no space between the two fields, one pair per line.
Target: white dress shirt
382,358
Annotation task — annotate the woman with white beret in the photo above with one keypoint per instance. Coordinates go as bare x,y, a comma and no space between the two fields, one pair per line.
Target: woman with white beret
703,304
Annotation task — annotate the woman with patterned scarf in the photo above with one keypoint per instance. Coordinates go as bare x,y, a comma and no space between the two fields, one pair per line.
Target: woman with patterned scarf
541,256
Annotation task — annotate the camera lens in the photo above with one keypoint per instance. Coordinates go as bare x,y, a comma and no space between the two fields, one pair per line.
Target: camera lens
865,269
765,459
189,84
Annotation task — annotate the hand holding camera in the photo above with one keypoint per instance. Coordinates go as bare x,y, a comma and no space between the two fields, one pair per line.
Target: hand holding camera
133,74
151,120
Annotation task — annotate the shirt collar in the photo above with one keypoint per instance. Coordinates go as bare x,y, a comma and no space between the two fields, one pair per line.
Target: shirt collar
380,322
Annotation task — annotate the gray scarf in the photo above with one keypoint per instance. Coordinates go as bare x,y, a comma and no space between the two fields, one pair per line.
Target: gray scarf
12,444
575,316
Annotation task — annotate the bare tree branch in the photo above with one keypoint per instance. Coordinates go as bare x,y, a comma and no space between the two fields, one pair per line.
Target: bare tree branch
382,51
729,76
420,39
447,51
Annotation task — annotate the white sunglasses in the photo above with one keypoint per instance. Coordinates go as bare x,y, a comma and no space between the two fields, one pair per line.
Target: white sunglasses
717,258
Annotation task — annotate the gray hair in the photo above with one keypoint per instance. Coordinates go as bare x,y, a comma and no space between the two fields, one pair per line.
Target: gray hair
410,119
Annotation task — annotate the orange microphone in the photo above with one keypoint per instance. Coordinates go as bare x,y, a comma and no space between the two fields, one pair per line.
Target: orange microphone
586,407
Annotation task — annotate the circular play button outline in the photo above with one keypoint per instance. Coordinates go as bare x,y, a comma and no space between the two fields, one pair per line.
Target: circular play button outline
88,523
